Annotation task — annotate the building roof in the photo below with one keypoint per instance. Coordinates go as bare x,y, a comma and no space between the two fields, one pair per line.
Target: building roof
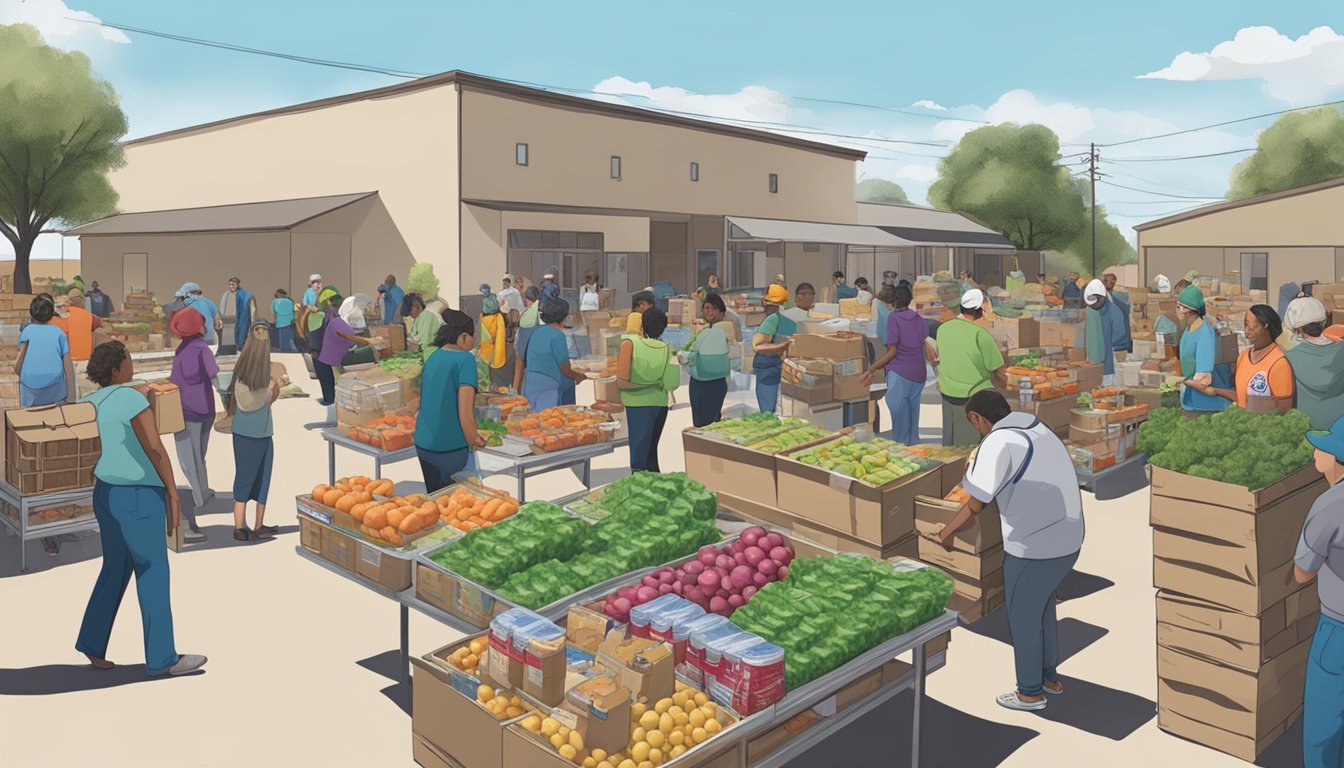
1234,204
952,238
742,228
501,88
930,226
276,215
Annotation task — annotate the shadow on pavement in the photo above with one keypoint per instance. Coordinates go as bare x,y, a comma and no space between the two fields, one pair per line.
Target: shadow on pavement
68,678
388,664
75,548
221,537
1078,585
1074,635
1098,710
1286,751
948,738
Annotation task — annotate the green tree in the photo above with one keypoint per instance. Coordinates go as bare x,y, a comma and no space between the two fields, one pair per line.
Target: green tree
1112,247
421,280
1300,148
1007,177
880,191
60,129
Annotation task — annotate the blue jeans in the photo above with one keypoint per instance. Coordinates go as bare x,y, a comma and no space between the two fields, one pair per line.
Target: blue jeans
707,401
131,524
903,402
285,339
1323,702
439,467
1029,595
646,429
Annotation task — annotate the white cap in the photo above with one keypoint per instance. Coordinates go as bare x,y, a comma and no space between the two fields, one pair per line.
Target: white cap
1303,310
314,278
1094,288
973,299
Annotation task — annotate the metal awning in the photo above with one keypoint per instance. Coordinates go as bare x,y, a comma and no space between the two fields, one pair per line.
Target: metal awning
948,238
275,215
779,230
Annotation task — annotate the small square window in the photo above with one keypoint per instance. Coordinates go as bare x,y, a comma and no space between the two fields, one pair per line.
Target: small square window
695,171
520,154
774,183
616,167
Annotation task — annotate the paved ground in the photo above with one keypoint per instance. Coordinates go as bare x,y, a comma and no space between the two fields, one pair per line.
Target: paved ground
302,663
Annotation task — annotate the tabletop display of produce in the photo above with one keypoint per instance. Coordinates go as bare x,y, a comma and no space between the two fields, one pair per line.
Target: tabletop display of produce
830,610
543,553
766,432
876,462
467,509
1233,446
559,428
719,580
393,432
403,365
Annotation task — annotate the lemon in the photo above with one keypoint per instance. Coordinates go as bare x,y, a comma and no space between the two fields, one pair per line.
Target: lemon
558,742
515,702
710,708
604,764
485,693
656,739
676,738
640,752
478,646
513,712
549,727
645,764
662,706
637,735
637,710
532,723
676,752
700,699
576,741
627,764
666,723
713,726
656,756
599,755
680,719
699,736
649,720
567,752
697,717
589,762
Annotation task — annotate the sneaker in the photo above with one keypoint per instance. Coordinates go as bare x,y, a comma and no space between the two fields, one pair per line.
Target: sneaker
267,530
1011,700
241,534
1058,691
99,663
186,664
193,535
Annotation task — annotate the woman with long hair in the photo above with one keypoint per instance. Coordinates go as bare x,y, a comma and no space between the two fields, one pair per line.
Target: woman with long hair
254,391
196,375
135,501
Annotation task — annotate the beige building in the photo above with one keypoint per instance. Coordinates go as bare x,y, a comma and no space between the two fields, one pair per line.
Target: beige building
1293,236
472,175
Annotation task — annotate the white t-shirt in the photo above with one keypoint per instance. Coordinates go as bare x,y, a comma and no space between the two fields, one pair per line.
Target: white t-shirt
510,299
588,301
864,298
1042,512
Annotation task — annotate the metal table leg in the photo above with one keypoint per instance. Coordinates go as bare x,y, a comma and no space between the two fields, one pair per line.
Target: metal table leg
23,535
331,463
377,468
588,474
919,703
521,476
405,645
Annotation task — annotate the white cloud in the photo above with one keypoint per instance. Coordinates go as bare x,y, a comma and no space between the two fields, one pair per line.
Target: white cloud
60,25
1309,68
924,174
926,104
754,102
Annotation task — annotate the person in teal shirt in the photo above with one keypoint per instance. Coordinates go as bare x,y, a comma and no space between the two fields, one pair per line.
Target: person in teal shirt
549,379
708,363
1199,351
283,309
134,500
770,342
445,429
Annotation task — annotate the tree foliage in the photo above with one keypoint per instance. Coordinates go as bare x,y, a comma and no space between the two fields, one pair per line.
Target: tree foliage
1300,148
880,191
1007,177
422,280
60,129
1112,247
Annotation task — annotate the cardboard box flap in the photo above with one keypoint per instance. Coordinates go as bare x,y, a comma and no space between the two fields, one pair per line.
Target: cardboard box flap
1175,485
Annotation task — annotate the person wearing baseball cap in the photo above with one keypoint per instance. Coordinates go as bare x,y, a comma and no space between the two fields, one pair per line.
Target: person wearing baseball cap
1318,362
1199,353
969,361
1320,557
1104,329
771,342
197,301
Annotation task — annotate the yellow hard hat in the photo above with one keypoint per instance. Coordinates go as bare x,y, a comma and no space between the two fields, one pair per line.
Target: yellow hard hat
777,294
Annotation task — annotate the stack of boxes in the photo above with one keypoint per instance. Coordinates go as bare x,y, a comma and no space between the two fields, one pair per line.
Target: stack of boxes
51,448
681,312
1233,625
975,562
139,323
825,368
13,313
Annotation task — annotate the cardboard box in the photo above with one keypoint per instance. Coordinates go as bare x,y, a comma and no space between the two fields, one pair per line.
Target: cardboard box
1232,710
1227,349
953,472
1017,332
816,394
51,448
975,566
766,744
1207,631
383,568
878,516
982,535
728,468
165,400
338,548
645,666
842,345
453,728
973,609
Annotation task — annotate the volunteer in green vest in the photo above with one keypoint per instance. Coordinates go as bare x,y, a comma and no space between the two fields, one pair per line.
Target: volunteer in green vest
707,359
969,360
424,326
770,343
1199,352
646,374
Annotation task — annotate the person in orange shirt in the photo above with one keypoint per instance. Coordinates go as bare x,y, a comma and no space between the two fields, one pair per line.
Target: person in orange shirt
78,324
1264,377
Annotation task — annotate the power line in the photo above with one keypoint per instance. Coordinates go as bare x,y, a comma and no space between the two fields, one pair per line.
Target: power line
890,109
1220,125
1179,157
1149,181
1159,194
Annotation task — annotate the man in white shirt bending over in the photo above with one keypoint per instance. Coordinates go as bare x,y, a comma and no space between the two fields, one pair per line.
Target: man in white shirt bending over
1026,467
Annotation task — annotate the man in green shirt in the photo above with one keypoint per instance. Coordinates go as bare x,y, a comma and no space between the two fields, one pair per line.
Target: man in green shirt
969,360
424,326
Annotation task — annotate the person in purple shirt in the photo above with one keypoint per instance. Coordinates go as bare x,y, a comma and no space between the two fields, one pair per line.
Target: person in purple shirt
337,339
904,364
196,375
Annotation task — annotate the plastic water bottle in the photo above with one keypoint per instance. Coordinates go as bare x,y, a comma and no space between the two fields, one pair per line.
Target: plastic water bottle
1024,394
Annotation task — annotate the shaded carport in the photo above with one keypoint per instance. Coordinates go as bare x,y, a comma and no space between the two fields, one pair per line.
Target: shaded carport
803,251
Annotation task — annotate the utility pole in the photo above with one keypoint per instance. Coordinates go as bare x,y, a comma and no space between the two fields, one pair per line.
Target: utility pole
1092,177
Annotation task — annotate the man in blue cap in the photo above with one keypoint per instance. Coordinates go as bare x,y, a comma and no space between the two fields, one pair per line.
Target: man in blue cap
1320,556
390,296
196,300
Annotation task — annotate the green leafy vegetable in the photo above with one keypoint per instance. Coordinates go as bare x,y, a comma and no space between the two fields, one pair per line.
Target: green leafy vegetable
1247,449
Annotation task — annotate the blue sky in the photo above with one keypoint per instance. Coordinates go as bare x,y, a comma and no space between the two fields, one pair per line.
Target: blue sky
1075,66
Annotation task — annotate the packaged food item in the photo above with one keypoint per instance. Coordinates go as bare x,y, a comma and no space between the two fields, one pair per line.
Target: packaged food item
753,677
681,642
507,657
544,656
641,616
662,623
697,651
716,665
